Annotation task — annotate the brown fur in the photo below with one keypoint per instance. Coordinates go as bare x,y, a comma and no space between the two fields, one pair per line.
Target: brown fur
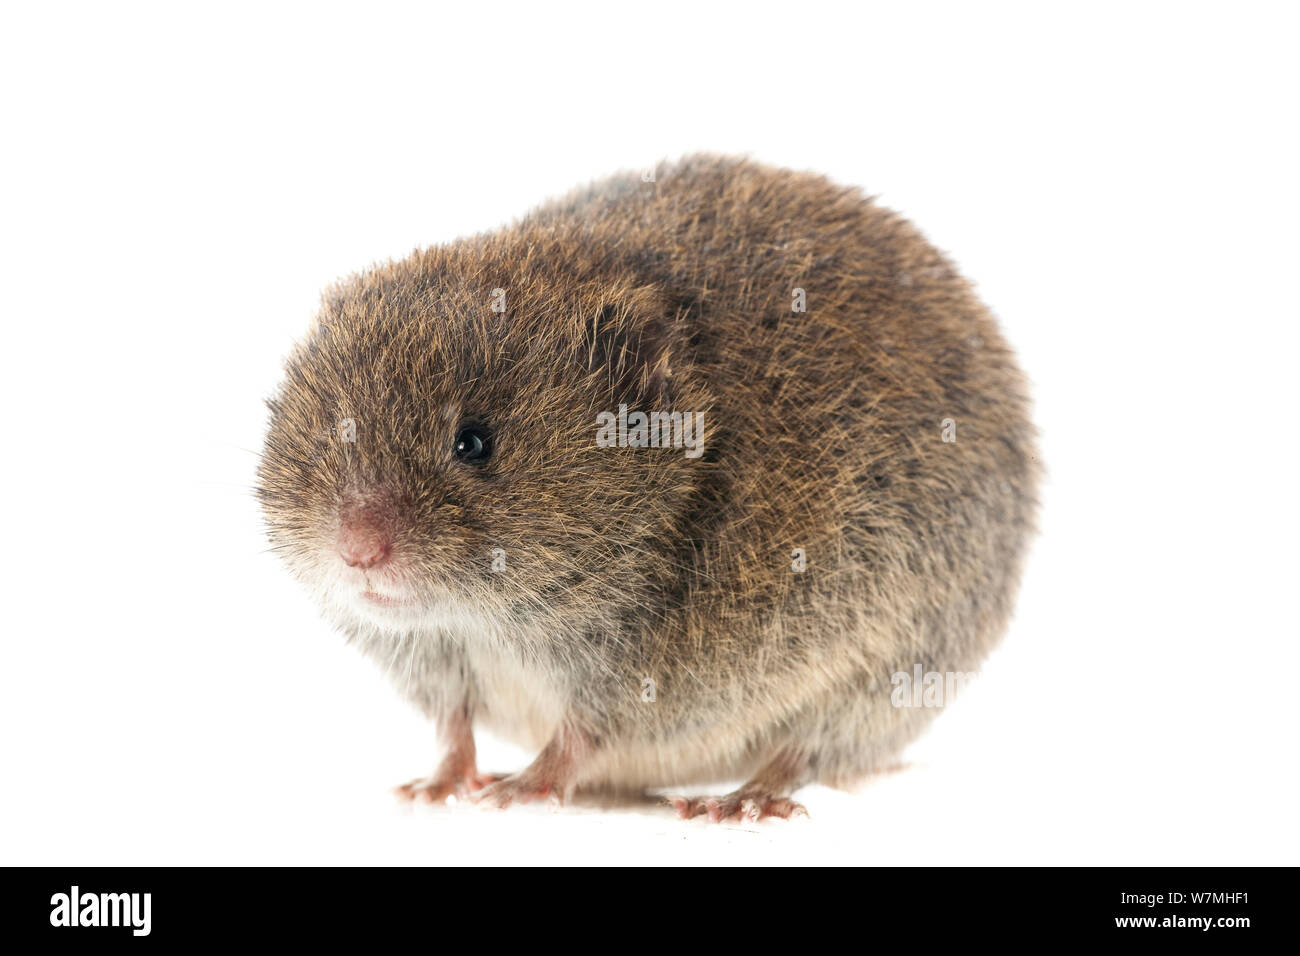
626,564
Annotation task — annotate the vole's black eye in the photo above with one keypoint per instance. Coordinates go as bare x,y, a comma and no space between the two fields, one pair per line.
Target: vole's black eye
473,444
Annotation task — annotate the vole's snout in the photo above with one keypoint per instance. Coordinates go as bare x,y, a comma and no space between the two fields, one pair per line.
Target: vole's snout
362,546
366,531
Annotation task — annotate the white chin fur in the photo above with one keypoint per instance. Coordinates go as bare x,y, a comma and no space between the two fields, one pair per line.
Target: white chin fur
446,615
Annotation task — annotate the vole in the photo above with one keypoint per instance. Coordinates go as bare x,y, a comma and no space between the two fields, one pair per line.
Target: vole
838,487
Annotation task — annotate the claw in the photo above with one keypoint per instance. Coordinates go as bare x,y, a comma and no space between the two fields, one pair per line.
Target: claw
743,806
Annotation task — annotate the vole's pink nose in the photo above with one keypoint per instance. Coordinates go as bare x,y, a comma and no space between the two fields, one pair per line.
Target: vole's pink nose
362,546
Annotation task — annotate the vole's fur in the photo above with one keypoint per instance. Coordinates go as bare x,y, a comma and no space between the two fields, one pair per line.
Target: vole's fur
636,573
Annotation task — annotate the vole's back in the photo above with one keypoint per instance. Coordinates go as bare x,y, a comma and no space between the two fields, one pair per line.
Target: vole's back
874,468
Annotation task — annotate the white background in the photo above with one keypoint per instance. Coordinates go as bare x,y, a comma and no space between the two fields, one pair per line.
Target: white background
1119,180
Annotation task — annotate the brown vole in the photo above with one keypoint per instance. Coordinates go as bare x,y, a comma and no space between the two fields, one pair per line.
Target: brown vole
841,492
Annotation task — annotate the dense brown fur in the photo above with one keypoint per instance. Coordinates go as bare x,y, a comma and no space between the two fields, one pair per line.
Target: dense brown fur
633,565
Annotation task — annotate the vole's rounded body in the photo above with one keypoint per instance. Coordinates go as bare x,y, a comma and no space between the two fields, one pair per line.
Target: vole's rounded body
854,502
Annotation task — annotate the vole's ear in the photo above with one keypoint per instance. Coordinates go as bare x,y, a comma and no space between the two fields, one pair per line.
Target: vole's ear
632,341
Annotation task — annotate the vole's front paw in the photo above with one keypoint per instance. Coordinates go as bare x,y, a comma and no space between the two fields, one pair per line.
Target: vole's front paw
440,787
742,806
521,787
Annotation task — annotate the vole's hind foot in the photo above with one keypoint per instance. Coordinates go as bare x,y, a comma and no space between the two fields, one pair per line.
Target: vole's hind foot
742,806
440,787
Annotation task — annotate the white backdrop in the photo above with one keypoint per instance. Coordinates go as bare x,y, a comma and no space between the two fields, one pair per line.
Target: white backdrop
178,185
